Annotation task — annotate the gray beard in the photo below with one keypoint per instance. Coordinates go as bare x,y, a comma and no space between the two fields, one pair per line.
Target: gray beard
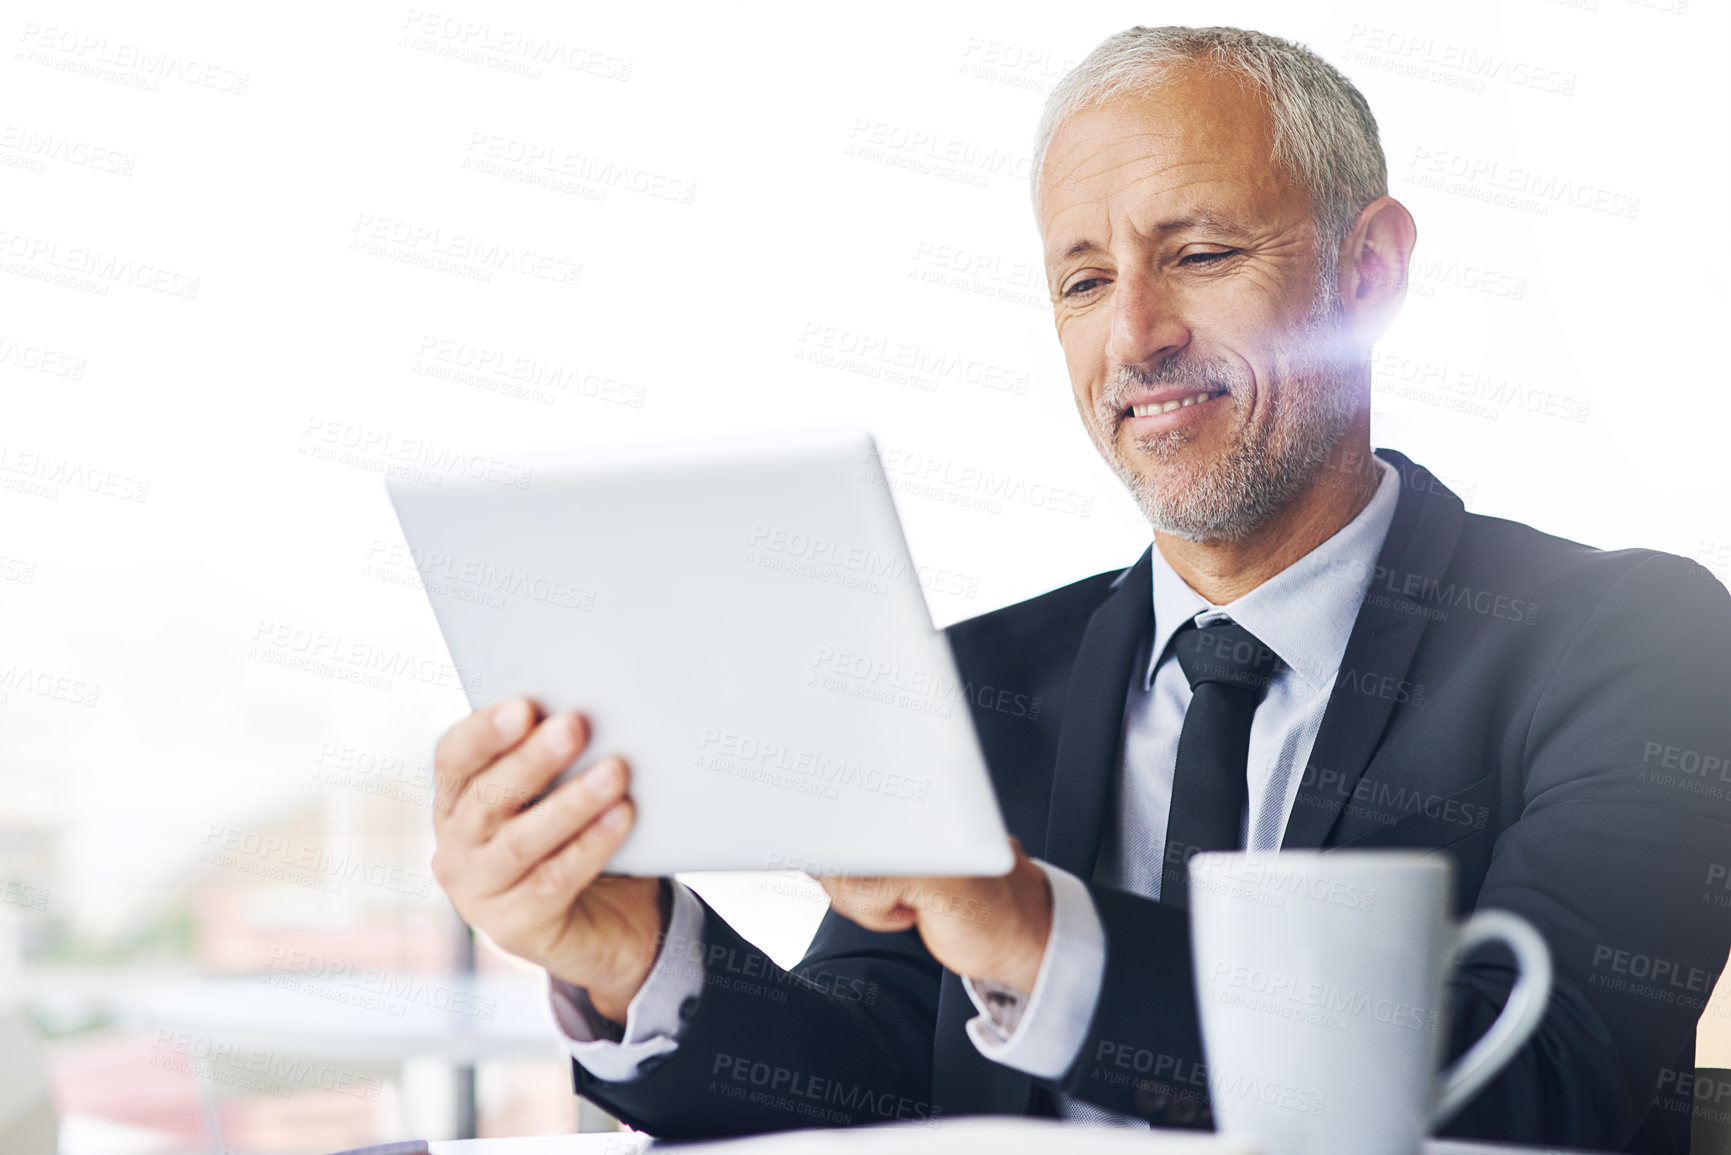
1310,403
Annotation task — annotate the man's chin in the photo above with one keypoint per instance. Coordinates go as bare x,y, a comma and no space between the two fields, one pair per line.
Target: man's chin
1163,455
1187,494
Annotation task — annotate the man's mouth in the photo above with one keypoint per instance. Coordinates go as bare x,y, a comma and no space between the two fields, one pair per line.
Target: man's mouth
1155,407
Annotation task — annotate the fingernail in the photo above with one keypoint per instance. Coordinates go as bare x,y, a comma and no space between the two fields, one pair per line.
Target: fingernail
602,778
556,737
615,816
509,718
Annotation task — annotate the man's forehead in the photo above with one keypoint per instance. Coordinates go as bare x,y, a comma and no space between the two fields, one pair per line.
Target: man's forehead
1204,132
1195,112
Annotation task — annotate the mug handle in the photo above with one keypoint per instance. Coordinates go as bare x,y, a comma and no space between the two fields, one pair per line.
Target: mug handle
1521,1014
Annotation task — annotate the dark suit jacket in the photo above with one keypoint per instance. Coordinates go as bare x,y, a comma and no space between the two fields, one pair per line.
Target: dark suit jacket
1554,718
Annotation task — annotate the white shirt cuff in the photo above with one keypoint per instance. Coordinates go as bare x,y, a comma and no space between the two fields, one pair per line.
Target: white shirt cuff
656,1015
1040,1033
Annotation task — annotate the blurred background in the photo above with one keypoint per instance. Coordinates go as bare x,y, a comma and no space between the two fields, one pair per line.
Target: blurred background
254,258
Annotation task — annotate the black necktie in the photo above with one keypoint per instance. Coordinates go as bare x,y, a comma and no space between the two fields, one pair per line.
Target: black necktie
1228,671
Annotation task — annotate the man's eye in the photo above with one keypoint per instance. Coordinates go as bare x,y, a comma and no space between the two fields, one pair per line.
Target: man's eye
1080,286
1206,258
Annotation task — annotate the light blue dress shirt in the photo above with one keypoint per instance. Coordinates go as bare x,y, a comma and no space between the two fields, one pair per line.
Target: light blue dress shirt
1304,614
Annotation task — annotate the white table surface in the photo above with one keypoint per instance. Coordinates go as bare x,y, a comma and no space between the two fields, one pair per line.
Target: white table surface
981,1136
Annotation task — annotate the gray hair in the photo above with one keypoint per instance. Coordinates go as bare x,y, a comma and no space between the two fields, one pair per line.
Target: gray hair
1324,134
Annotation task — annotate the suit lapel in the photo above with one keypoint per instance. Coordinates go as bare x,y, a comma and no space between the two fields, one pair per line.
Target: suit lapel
1420,542
1092,728
964,1081
1419,546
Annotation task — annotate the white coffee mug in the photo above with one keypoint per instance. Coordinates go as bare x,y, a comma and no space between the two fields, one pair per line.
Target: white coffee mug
1319,982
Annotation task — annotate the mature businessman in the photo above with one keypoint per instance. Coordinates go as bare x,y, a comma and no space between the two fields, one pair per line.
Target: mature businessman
1222,254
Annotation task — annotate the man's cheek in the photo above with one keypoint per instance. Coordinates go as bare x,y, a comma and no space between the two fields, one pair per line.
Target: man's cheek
1072,338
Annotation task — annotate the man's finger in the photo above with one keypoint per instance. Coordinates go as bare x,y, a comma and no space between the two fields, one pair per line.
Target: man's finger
517,778
883,921
569,872
864,890
471,745
875,903
523,841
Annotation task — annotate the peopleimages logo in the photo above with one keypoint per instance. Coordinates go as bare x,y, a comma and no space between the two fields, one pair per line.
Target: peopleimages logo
966,484
244,849
382,450
40,255
134,65
880,355
745,756
1276,881
1651,976
437,570
815,1096
869,564
260,1072
1289,997
375,988
49,473
838,669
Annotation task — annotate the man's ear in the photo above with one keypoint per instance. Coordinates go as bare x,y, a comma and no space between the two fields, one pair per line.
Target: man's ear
1373,268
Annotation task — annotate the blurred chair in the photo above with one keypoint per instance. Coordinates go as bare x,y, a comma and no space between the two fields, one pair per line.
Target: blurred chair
27,1121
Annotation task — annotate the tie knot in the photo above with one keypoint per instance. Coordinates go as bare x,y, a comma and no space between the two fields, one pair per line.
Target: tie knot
1225,653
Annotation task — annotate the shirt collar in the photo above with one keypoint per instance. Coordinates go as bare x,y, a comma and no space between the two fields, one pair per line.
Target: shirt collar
1305,612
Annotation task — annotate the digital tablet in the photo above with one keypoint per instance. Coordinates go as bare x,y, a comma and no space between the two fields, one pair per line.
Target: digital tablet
741,621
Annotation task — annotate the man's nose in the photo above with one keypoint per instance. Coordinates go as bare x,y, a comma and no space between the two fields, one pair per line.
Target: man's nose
1146,322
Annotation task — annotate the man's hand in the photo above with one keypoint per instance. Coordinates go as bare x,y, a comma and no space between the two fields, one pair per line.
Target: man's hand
529,876
984,928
